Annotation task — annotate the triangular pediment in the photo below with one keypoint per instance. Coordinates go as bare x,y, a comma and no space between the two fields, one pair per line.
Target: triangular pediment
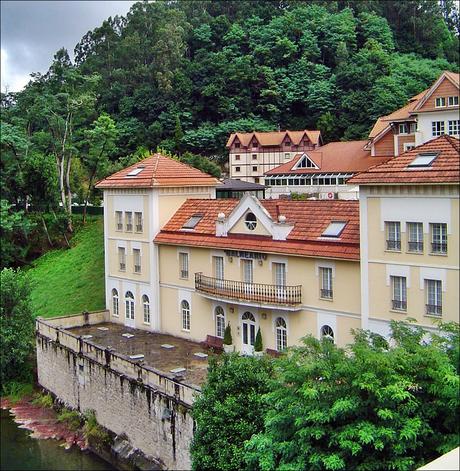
305,161
250,218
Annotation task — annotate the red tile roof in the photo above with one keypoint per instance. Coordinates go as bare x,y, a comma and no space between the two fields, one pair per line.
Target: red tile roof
158,170
310,219
444,169
274,138
335,157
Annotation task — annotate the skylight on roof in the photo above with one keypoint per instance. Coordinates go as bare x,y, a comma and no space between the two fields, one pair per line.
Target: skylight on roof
135,172
334,229
424,159
193,221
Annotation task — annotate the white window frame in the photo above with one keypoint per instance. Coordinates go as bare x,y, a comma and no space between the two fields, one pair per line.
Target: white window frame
218,265
440,102
438,231
279,273
393,236
326,290
139,222
408,146
414,232
122,259
438,128
146,308
185,315
183,265
129,305
119,221
219,314
281,336
454,127
327,332
247,265
452,100
137,258
128,221
115,303
433,298
403,128
398,293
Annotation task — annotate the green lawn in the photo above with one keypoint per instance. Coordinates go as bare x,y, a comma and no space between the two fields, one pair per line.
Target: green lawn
68,281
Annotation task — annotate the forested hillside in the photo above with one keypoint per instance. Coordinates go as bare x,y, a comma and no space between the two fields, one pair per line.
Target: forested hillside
182,75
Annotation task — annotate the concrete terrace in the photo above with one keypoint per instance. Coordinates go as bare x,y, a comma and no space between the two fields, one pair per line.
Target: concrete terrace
149,344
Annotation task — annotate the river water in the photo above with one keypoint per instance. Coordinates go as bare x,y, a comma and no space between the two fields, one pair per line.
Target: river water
22,453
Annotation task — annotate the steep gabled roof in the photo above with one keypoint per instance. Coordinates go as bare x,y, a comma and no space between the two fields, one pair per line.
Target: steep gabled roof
274,138
157,170
310,219
334,157
445,168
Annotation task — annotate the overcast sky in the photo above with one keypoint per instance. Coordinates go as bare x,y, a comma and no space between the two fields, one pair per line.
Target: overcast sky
32,31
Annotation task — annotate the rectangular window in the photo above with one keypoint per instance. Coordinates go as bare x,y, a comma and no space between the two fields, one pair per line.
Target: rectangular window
183,264
254,168
237,145
122,258
129,221
399,293
326,283
287,155
438,238
454,127
247,271
437,128
119,220
408,146
415,237
412,128
237,157
139,224
218,267
254,156
280,274
137,260
440,102
393,233
403,128
433,297
237,169
453,100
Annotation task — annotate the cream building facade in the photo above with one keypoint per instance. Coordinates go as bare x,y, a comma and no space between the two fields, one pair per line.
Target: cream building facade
290,268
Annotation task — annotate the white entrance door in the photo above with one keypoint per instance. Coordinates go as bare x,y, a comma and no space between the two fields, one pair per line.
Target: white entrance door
248,333
129,309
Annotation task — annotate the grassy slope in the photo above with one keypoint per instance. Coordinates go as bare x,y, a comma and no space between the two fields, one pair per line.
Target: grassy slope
70,281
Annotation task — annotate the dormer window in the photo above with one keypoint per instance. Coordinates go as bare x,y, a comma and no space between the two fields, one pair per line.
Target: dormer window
424,159
287,142
334,229
250,221
403,128
135,171
237,145
305,162
440,102
452,101
193,221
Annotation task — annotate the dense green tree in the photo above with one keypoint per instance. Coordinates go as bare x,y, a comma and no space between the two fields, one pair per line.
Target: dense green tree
16,325
377,406
229,411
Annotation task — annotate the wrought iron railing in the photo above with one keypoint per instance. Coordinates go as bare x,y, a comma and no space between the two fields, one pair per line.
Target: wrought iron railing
256,292
393,245
439,247
434,309
415,246
399,305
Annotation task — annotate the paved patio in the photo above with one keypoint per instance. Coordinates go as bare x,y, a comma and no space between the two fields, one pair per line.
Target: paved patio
149,344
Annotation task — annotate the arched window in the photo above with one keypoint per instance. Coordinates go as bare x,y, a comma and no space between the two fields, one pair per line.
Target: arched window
146,305
327,333
250,221
220,321
129,305
248,316
185,311
115,308
281,334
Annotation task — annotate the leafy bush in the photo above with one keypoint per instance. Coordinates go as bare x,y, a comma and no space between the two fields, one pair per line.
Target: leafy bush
258,346
95,435
15,390
16,326
228,335
71,417
43,400
229,411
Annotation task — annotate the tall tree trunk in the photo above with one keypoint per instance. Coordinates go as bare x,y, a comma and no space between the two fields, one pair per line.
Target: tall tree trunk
63,233
69,194
90,186
46,230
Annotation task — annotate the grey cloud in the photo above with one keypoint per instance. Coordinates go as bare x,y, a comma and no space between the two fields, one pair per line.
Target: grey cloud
32,31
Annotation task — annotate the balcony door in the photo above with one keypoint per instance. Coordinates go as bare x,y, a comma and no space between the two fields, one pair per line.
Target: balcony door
248,332
280,280
129,309
247,275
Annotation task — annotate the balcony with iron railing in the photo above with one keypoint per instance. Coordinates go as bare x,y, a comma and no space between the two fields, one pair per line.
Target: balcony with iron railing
250,293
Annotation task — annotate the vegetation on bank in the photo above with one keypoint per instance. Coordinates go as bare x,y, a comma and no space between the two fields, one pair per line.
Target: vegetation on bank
375,405
67,281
